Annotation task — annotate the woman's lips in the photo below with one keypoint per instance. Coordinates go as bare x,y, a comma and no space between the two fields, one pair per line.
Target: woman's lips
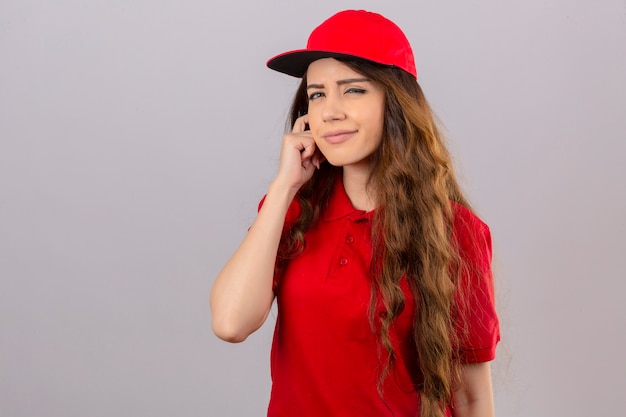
338,136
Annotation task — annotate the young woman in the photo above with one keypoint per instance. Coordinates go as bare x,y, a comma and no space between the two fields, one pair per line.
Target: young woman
380,269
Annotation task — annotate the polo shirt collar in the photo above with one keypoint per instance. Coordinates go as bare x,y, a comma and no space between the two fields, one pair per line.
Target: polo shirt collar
339,205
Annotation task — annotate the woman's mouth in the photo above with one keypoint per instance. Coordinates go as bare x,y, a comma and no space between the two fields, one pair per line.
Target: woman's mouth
338,136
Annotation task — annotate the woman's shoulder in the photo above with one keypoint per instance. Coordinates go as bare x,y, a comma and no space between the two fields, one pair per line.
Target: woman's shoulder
472,235
466,221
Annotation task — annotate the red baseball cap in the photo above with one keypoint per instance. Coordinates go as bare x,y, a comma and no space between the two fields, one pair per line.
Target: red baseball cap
351,34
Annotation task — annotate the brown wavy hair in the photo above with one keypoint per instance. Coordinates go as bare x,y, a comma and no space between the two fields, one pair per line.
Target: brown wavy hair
414,183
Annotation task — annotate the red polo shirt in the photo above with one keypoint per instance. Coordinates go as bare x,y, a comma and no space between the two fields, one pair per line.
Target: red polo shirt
325,359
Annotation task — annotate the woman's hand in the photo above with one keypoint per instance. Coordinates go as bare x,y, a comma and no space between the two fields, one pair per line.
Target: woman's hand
299,157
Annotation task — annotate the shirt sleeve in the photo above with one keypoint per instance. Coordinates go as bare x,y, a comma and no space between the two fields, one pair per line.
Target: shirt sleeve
476,321
293,212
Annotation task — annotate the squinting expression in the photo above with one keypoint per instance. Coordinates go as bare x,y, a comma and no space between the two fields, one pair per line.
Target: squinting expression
346,113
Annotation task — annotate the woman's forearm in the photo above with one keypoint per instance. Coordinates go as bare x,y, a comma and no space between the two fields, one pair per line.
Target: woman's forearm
475,397
242,294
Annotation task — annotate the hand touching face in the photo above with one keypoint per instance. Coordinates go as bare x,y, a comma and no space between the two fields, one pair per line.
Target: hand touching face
299,156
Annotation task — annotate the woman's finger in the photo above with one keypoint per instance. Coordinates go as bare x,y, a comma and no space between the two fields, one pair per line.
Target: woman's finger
317,158
301,123
308,147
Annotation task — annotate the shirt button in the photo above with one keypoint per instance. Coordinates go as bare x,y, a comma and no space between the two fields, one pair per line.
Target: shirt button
343,261
349,239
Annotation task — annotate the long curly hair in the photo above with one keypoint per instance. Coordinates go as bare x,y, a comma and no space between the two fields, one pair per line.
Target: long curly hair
414,183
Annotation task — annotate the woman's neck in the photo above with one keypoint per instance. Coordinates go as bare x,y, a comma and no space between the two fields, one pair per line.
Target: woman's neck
355,183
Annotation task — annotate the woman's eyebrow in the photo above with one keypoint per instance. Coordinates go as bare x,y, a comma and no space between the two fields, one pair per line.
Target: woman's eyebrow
340,82
352,80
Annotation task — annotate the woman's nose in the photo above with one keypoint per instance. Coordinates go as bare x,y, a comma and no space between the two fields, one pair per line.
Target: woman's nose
333,108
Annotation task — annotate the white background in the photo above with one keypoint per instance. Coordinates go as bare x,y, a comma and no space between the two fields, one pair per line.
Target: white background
137,136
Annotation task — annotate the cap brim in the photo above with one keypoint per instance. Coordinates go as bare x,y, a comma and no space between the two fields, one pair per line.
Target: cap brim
295,63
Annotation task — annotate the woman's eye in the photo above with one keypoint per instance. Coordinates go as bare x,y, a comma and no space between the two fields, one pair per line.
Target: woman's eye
315,95
355,90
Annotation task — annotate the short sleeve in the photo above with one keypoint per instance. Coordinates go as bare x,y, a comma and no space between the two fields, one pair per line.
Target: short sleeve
476,320
290,219
292,213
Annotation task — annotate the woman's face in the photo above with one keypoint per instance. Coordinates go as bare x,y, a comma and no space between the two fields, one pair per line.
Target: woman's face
346,113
